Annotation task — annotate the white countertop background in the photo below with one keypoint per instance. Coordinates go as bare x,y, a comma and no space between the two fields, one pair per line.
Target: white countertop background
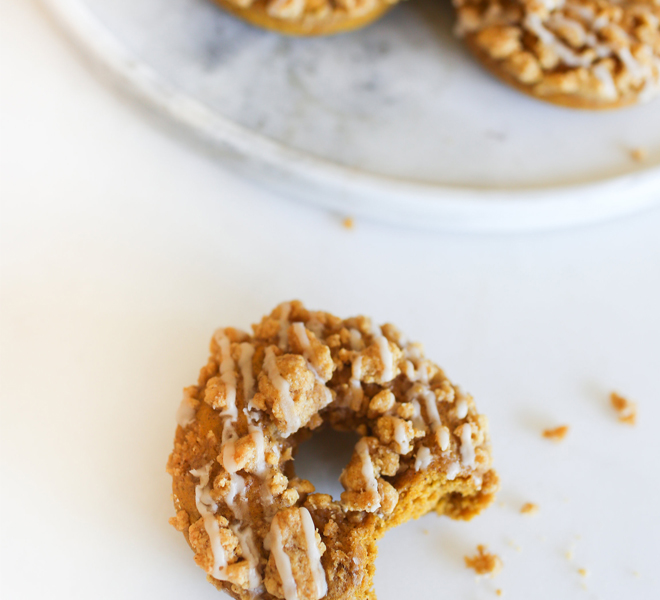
123,246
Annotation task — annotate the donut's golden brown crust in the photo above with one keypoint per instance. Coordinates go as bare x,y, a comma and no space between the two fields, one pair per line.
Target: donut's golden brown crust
331,23
426,446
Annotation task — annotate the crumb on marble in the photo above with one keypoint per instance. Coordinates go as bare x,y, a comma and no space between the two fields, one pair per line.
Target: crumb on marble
529,508
483,562
625,409
639,154
583,572
556,434
499,592
348,223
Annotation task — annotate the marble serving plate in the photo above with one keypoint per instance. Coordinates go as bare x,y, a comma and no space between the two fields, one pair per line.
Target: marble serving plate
395,122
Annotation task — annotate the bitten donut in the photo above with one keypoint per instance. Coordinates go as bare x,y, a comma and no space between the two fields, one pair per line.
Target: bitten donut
259,530
308,17
578,53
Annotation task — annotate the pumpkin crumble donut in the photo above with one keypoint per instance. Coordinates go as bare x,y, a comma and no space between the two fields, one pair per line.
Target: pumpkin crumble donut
308,17
258,530
578,53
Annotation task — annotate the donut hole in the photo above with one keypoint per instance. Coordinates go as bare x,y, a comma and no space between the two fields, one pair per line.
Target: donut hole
322,458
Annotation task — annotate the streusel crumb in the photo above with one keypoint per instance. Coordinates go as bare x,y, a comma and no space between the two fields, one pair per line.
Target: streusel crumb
557,434
626,410
639,154
483,562
348,223
529,508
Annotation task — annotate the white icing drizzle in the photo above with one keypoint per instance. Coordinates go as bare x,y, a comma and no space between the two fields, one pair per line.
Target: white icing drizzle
303,339
635,69
245,365
400,436
443,434
313,554
423,458
603,75
467,448
257,435
409,370
236,488
229,436
282,562
286,9
417,420
386,356
185,414
431,408
355,387
553,4
284,325
250,552
227,374
557,21
647,74
368,471
207,509
461,409
229,457
534,24
413,352
452,470
356,339
292,421
423,374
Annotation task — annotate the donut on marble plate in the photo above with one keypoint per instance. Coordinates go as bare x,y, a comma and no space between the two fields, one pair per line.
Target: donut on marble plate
589,54
308,17
259,530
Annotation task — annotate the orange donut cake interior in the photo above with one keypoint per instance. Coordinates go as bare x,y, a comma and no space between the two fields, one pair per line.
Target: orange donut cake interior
256,528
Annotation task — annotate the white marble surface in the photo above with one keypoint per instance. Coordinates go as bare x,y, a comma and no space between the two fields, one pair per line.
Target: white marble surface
122,247
395,122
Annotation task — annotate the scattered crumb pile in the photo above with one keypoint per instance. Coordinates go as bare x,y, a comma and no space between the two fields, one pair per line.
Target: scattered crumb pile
483,563
557,434
626,410
529,508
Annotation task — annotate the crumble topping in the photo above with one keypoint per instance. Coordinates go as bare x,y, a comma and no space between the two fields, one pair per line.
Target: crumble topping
557,434
598,50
